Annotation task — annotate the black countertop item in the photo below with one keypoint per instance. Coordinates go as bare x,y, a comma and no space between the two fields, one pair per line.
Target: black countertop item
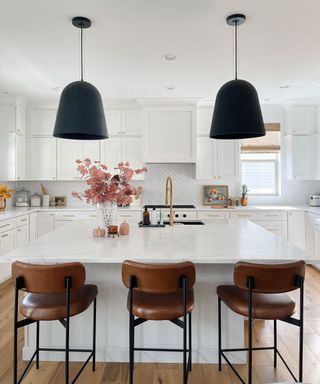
177,206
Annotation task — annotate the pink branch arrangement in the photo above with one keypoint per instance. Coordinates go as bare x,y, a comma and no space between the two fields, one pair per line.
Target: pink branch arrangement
106,187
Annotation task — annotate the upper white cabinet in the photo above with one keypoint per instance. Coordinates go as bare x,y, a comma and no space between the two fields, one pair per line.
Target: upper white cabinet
42,158
132,152
111,152
217,159
204,119
20,157
20,120
300,157
8,156
169,135
301,120
68,151
12,118
41,121
124,123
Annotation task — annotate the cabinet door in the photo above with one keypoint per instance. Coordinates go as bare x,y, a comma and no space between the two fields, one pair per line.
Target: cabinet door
7,242
45,223
7,118
33,226
302,120
20,119
42,158
300,157
22,236
20,157
111,153
7,156
204,119
114,121
132,123
278,228
132,152
91,150
41,121
68,151
228,159
169,135
207,164
296,229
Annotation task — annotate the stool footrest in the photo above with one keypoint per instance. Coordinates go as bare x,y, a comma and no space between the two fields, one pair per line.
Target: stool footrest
160,349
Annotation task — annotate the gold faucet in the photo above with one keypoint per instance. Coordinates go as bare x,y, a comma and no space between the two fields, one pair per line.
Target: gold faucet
169,186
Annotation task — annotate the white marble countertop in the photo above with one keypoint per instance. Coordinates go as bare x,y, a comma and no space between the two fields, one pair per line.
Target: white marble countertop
217,242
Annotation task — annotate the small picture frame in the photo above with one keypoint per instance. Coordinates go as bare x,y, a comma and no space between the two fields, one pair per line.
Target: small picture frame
215,195
60,201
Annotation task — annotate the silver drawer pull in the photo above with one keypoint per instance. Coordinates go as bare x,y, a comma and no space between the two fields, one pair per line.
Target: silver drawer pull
68,215
272,215
4,226
5,235
92,215
244,215
23,219
213,215
125,215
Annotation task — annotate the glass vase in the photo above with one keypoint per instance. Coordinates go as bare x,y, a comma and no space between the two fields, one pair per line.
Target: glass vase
108,213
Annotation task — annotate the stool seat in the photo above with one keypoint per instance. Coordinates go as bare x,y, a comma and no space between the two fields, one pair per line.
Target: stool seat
36,306
275,306
160,306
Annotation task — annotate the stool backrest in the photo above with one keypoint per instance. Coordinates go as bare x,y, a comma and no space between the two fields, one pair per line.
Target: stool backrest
49,278
269,278
158,278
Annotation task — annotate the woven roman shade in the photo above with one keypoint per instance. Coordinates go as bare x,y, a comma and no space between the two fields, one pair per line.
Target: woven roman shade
270,143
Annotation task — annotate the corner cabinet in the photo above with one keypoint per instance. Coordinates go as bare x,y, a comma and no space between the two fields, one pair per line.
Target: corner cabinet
217,159
42,158
169,134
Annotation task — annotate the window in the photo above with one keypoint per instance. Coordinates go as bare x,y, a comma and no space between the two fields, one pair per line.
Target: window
260,162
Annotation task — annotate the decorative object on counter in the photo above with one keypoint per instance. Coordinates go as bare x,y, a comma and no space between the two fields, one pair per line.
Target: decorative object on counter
5,194
237,112
215,195
244,195
124,228
60,201
52,201
146,216
45,196
107,191
35,200
161,217
237,202
154,216
80,113
99,232
113,231
22,198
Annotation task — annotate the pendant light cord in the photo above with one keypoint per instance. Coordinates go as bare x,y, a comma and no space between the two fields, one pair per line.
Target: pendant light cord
236,50
81,52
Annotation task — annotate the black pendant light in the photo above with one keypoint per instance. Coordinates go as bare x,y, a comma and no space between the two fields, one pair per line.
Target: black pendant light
80,114
237,113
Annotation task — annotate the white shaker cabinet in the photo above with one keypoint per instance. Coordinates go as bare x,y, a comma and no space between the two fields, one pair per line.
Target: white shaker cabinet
301,120
132,152
7,244
41,121
300,157
228,159
42,158
22,236
114,121
132,122
33,226
296,229
204,119
169,135
111,152
20,157
7,118
8,156
45,223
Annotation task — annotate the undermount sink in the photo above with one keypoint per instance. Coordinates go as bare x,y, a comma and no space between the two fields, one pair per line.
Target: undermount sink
189,222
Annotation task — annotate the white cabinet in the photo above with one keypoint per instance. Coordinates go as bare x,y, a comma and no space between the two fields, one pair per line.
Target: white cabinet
7,156
12,118
20,120
213,215
300,157
22,236
33,226
127,122
68,151
20,157
278,228
45,223
111,152
41,121
204,119
169,135
301,120
132,152
7,244
296,229
42,158
217,159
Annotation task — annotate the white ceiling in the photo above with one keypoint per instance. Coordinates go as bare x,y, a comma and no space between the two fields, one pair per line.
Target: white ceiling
279,45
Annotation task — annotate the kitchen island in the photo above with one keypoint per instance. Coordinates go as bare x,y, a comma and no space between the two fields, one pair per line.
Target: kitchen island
214,247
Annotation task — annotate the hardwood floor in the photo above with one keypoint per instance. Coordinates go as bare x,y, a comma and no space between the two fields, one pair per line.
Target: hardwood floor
117,373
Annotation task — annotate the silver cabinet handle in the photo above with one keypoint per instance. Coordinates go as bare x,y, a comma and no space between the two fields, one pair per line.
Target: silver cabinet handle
272,215
4,226
5,235
23,219
244,215
68,215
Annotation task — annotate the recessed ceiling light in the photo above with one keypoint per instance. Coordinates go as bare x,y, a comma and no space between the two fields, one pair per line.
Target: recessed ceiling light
170,56
170,87
284,86
56,88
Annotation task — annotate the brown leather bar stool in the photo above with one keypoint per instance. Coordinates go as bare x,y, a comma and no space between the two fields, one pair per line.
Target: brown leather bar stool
260,291
160,292
54,292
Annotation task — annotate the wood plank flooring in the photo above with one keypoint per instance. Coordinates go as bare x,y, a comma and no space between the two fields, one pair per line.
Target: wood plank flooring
117,373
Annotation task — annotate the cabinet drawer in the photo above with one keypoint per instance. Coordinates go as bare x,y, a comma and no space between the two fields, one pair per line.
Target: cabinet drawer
7,225
276,227
270,215
130,216
70,216
22,220
213,215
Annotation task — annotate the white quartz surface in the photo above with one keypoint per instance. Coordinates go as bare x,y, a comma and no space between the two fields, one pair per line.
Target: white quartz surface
217,242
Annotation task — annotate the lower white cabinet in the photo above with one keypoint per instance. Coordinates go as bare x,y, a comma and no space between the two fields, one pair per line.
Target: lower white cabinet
296,229
213,215
7,244
22,236
278,228
33,226
42,158
45,223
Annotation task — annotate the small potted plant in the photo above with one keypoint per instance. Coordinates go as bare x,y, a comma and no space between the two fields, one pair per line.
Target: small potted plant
244,195
5,194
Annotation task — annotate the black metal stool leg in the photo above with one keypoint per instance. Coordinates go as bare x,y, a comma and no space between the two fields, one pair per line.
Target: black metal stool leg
275,345
301,329
38,337
250,286
68,286
190,343
131,342
219,332
94,335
